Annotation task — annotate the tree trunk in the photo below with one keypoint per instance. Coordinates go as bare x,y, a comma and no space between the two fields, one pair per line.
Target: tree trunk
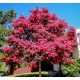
60,72
39,68
18,65
11,69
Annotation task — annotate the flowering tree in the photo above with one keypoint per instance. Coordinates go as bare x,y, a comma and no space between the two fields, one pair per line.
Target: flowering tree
42,36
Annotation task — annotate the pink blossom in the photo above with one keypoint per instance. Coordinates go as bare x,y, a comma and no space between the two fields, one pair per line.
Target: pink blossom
42,34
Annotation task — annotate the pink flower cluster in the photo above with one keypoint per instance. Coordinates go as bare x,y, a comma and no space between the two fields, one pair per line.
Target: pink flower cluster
43,36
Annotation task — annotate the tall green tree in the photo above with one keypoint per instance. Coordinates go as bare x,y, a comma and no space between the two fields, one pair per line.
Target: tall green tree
5,24
7,17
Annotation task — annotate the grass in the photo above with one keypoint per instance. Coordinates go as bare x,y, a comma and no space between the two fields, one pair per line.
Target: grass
33,74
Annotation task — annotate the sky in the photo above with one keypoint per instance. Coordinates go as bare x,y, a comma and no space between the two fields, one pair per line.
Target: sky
70,12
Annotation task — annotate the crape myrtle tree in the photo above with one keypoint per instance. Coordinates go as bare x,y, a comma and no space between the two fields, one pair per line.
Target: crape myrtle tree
42,36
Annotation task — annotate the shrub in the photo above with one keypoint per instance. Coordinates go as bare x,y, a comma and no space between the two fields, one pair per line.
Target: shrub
72,69
3,71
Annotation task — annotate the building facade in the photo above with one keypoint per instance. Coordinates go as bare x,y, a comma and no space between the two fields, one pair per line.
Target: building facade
77,55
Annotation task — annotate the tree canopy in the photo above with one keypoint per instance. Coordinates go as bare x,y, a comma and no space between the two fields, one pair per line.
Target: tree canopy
42,36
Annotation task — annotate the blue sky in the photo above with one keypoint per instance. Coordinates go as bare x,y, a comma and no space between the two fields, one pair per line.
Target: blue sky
67,11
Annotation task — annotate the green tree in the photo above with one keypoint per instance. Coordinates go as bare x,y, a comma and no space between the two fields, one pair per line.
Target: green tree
7,17
5,24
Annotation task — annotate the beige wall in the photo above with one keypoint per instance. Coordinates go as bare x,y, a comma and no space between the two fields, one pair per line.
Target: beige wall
77,51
